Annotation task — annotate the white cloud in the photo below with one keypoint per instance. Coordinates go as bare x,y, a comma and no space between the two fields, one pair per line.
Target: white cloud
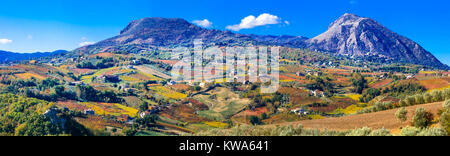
82,44
5,41
203,23
252,21
83,38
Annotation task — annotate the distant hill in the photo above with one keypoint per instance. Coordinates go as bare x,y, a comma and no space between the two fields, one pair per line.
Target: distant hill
6,56
349,35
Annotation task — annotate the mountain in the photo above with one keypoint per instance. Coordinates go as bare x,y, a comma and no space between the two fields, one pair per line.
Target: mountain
6,56
349,35
358,36
162,32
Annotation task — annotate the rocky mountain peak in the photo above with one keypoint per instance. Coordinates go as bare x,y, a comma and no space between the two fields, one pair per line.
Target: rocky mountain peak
155,23
347,19
350,35
359,36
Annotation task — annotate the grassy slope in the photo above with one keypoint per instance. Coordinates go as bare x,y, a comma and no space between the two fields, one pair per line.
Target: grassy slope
375,120
224,106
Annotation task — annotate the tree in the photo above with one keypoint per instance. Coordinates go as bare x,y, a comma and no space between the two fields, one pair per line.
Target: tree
129,131
87,93
437,96
359,82
19,116
446,105
370,94
447,94
403,103
254,120
59,90
264,116
147,121
422,118
401,114
143,106
428,98
410,101
197,88
419,99
61,93
444,121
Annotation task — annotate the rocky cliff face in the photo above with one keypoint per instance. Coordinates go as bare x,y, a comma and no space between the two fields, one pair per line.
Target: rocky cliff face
359,36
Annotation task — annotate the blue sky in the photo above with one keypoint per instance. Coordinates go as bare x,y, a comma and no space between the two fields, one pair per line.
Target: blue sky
47,25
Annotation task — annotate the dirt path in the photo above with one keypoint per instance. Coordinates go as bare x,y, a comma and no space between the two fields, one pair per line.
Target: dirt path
151,71
375,120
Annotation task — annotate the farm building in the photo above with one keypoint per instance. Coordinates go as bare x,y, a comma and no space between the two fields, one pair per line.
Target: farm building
76,83
172,82
300,111
150,111
89,112
109,78
317,93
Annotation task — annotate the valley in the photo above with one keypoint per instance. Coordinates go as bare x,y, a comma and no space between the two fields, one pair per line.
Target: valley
122,86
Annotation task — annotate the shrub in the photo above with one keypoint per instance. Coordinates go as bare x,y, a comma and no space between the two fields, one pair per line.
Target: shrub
401,114
446,94
264,116
428,98
197,88
419,99
381,106
446,105
403,103
432,132
365,131
422,118
381,132
254,120
246,130
410,101
437,96
410,131
444,121
129,131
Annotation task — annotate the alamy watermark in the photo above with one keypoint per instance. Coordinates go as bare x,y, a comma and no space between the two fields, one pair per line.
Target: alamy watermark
227,64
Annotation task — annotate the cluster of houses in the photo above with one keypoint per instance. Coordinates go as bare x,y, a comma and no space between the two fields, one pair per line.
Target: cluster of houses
411,76
317,93
109,78
408,76
126,88
300,111
152,110
329,64
75,83
309,72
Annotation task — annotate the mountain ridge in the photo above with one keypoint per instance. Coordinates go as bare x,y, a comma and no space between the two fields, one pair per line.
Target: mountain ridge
349,35
7,56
